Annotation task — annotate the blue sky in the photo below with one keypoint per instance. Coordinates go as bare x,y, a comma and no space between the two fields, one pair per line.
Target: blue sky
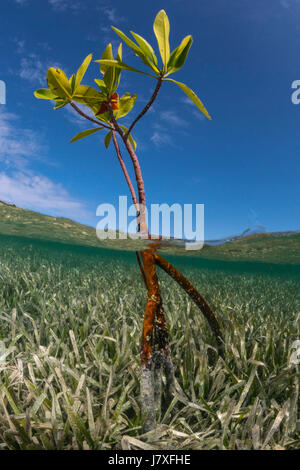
243,165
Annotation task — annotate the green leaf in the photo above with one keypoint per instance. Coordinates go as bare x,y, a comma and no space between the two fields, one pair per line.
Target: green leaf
117,79
179,55
119,55
133,142
138,50
59,83
108,71
38,403
161,27
60,104
118,71
10,399
88,95
100,84
86,133
127,41
78,426
105,117
45,94
107,54
109,79
25,436
126,104
121,65
145,46
147,49
82,69
191,95
107,139
72,83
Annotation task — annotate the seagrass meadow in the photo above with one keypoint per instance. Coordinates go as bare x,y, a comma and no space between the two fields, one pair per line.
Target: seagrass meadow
70,325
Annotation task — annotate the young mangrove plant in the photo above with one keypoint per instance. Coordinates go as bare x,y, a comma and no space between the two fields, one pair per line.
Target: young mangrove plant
106,109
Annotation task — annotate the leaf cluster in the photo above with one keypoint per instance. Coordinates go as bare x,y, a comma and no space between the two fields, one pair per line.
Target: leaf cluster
64,90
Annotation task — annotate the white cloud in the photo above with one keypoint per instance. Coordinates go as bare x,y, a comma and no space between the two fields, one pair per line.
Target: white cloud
38,192
58,5
34,70
199,115
62,5
20,45
45,45
195,112
187,101
18,183
16,145
161,138
163,129
162,135
289,3
112,14
285,3
172,118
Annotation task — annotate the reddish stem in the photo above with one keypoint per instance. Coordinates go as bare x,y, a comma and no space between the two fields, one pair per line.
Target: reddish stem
127,177
141,268
137,171
147,107
195,296
86,116
154,301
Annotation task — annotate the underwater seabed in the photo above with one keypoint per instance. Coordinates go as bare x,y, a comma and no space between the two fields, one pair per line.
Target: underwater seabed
71,321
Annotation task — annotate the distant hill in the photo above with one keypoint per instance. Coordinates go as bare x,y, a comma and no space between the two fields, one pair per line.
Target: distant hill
266,247
27,223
